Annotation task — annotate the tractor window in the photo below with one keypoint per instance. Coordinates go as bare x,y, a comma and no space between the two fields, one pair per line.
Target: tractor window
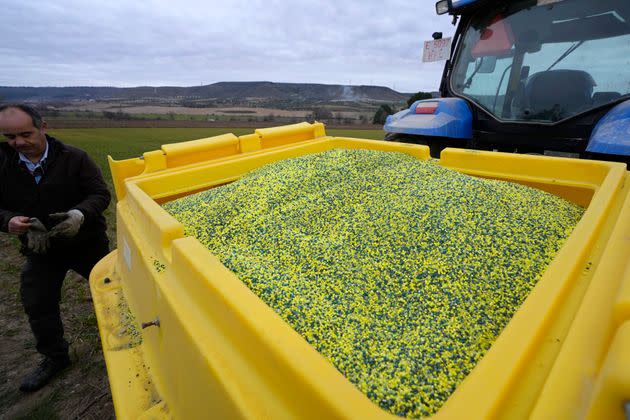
488,88
545,62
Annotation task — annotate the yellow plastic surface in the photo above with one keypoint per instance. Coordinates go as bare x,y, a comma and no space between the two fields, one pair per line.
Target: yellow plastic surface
219,351
130,380
588,368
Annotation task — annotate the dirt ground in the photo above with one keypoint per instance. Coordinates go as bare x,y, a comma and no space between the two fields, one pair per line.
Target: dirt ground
82,390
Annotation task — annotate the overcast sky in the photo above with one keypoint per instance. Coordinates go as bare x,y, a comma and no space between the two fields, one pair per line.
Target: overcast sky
192,42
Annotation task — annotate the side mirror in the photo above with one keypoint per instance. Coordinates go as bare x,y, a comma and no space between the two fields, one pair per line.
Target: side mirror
488,64
530,42
442,7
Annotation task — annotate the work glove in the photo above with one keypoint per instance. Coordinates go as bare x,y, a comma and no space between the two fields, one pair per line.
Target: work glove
37,237
67,224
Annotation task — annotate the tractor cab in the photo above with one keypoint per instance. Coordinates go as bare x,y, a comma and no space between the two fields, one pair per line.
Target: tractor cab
532,76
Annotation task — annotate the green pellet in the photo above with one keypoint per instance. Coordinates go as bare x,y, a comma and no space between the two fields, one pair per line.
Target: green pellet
398,271
128,325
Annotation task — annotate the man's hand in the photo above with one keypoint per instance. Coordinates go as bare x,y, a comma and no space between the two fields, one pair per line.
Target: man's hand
19,225
37,237
68,224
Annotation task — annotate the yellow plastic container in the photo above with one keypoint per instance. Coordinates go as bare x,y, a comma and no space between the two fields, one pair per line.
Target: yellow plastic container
211,348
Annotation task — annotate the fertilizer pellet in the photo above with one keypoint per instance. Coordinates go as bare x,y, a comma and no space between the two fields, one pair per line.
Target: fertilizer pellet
128,324
400,272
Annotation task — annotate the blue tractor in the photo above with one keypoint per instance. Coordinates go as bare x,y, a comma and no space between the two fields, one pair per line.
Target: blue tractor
530,76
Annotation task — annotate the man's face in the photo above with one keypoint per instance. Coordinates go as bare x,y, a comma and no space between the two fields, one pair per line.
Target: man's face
17,127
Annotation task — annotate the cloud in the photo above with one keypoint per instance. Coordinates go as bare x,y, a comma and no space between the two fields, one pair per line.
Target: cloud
188,42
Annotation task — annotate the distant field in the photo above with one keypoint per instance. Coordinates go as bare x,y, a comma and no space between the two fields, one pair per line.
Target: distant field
97,110
123,143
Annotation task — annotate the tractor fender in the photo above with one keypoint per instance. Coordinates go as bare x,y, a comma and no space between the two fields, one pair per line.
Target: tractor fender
611,135
451,118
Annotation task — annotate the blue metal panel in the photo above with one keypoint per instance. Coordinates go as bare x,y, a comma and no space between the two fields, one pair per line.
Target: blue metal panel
612,133
452,119
461,3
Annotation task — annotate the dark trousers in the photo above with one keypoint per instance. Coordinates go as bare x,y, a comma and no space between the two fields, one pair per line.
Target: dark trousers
40,287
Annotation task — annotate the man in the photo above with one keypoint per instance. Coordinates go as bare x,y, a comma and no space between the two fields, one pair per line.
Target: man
52,196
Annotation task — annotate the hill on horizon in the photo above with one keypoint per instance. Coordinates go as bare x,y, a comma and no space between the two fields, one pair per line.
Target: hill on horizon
232,93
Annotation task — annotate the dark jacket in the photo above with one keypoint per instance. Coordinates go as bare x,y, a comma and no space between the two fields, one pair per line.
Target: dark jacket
71,180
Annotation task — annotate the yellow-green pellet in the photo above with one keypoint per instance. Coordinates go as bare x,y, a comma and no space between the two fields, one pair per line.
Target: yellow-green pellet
400,272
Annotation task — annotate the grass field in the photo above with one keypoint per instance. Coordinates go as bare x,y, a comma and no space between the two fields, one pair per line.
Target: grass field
83,390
